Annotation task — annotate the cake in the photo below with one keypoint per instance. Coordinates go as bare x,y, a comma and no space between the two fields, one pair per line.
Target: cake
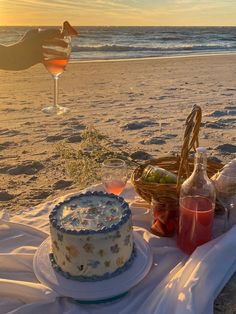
91,236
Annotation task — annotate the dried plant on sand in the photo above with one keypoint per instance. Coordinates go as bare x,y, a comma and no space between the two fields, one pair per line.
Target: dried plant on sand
83,162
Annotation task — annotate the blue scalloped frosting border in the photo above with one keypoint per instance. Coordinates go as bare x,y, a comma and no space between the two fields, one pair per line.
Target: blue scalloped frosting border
117,272
126,215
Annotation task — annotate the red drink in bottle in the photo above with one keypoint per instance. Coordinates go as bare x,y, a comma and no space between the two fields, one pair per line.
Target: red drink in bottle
195,223
197,203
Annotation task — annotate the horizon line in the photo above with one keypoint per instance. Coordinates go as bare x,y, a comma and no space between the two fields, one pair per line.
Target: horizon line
41,25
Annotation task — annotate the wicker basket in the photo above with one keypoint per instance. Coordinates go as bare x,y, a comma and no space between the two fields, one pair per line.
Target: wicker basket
181,165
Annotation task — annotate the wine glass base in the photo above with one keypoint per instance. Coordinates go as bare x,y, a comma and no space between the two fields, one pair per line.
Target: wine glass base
59,110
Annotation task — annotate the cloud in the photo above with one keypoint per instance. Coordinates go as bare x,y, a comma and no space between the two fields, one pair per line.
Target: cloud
117,12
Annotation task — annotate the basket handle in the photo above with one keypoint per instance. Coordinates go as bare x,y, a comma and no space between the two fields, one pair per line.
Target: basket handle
193,123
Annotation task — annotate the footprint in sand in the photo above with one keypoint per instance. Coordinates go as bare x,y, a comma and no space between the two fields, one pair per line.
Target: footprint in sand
77,126
138,125
227,148
54,138
75,138
7,145
230,108
62,184
8,110
5,196
227,94
28,123
40,194
7,132
172,88
214,159
228,120
140,109
231,89
141,155
217,114
119,142
110,120
169,136
215,125
27,167
153,141
163,97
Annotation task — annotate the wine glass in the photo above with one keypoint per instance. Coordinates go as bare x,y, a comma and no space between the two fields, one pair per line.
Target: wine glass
226,194
114,175
55,58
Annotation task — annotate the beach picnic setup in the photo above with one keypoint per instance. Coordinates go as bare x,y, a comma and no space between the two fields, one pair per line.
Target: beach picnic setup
155,235
153,249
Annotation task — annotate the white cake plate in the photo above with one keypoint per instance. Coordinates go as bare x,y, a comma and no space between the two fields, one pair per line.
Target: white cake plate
98,290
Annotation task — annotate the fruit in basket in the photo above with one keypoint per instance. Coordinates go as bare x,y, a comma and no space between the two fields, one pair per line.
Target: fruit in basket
164,219
155,174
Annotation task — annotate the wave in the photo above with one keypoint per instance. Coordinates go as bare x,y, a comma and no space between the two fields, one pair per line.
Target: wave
120,48
134,42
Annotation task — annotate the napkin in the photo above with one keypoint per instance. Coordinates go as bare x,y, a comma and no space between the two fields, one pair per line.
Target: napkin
192,288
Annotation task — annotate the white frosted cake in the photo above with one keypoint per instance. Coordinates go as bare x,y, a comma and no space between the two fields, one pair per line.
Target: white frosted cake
91,236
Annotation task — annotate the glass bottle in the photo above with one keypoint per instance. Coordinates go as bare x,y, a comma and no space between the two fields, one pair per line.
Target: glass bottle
197,204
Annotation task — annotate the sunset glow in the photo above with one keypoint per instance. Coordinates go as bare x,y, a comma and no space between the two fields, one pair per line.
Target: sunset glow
119,12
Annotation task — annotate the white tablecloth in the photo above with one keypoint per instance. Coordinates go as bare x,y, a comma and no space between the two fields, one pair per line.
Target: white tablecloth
175,284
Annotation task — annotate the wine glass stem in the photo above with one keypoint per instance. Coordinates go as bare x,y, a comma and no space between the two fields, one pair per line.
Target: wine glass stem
55,78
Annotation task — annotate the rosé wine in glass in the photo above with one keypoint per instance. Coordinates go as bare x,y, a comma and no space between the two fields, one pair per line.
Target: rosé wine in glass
55,61
114,175
114,186
56,54
55,66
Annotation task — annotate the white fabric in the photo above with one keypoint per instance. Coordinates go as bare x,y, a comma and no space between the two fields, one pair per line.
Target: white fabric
176,284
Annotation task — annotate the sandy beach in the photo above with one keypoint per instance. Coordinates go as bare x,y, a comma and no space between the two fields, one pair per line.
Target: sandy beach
141,104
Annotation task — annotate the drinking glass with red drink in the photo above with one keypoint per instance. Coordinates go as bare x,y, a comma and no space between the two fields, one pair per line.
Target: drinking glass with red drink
164,218
114,175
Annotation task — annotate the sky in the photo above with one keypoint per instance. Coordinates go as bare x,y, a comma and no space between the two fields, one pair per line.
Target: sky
119,12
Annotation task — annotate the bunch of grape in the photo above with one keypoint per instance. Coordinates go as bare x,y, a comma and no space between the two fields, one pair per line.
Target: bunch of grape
156,174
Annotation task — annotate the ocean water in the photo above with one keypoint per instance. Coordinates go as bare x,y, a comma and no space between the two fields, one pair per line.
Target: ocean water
102,43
